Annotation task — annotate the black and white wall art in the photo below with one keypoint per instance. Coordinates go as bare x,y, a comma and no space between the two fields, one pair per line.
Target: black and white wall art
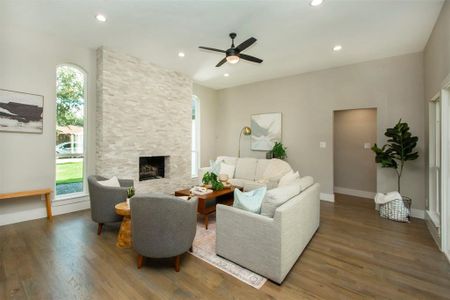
21,112
266,130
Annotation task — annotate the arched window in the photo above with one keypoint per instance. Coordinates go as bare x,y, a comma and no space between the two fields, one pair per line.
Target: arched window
195,136
71,86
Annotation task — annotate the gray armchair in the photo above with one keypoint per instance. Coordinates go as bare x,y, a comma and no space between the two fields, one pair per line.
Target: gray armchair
162,226
104,198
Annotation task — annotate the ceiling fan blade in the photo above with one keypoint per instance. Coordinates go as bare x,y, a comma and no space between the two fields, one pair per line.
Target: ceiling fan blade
221,62
212,49
246,44
250,58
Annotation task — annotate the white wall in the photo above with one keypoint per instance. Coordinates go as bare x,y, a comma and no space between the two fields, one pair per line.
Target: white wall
208,116
27,161
393,85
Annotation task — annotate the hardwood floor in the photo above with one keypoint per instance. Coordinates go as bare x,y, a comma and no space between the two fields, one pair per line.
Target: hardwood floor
355,254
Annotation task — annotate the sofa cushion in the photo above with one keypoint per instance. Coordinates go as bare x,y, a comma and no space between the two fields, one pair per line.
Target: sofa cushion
277,197
276,169
227,170
228,160
289,178
245,168
261,166
214,166
250,185
249,201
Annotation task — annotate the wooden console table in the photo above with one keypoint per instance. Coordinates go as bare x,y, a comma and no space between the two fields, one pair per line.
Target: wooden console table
45,192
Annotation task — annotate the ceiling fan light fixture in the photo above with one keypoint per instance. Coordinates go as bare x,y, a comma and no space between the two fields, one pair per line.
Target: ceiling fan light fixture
101,18
316,2
337,48
233,59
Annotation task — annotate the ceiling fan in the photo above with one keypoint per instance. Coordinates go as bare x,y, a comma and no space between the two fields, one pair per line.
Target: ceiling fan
233,54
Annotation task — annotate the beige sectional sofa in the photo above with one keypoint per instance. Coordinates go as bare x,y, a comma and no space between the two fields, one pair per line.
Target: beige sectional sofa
269,246
251,173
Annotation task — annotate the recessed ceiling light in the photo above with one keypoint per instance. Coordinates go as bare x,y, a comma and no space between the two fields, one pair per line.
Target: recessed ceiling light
100,18
316,2
181,54
226,75
337,48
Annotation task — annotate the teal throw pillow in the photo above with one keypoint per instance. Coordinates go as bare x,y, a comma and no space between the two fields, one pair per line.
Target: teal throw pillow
250,201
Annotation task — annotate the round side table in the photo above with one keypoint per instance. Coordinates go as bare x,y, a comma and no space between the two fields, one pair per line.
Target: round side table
124,236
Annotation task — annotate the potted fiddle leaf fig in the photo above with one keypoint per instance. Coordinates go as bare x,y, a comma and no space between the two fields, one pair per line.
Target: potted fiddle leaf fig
398,150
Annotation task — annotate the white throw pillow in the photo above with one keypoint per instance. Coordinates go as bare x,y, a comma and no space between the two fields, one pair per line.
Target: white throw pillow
227,170
306,182
289,178
276,197
112,182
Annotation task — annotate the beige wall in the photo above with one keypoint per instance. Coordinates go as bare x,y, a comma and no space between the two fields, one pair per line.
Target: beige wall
208,116
393,85
437,54
437,68
354,165
27,161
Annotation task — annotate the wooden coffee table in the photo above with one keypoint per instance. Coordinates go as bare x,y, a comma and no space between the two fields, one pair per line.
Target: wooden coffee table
124,236
207,203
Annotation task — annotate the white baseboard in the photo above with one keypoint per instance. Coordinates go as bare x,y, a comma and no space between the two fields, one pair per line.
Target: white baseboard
417,213
39,213
356,193
327,197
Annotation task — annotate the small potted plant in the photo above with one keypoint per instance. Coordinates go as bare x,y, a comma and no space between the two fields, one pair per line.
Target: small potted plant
210,178
130,193
279,151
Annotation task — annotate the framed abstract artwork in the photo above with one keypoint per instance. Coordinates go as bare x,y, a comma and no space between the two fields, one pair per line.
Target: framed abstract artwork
266,130
21,112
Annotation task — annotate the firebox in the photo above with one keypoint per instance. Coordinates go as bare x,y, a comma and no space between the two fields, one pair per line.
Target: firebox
151,167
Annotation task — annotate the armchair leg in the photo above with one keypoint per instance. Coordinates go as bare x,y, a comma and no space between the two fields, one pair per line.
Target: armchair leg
140,261
99,228
177,263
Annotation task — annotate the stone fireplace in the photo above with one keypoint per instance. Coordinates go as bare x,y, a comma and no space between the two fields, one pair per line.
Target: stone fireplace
144,123
152,167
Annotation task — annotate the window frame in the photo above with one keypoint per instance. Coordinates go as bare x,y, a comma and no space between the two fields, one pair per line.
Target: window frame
196,103
84,192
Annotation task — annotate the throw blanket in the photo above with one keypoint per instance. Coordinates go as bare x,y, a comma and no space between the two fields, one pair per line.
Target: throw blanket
381,198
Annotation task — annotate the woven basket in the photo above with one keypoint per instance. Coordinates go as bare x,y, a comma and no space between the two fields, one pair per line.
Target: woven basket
397,210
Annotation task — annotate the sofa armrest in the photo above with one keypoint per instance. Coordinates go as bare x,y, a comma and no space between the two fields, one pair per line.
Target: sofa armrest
248,239
299,219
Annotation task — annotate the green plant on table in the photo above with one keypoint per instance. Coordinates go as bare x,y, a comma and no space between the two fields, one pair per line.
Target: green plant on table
211,178
399,149
279,151
130,192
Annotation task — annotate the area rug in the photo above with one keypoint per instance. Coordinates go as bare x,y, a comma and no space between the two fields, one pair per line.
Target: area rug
205,248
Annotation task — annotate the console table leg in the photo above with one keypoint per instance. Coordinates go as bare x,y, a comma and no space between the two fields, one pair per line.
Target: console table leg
48,204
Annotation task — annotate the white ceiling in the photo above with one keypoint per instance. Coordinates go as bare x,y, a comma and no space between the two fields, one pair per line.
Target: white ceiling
293,37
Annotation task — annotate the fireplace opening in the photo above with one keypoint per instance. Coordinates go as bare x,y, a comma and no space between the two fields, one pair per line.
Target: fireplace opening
151,167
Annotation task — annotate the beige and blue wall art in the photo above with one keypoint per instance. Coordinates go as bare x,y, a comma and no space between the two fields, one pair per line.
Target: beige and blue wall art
266,130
